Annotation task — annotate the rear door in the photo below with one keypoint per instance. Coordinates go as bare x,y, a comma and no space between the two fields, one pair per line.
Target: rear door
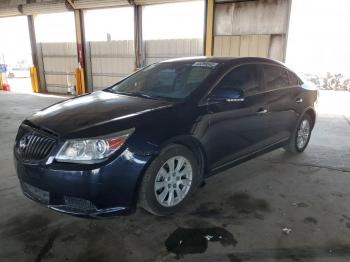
280,95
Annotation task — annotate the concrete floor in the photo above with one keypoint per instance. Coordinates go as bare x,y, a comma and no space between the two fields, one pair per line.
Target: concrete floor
20,85
242,211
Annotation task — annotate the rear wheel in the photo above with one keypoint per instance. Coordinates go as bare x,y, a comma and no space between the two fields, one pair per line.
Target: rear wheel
301,137
169,181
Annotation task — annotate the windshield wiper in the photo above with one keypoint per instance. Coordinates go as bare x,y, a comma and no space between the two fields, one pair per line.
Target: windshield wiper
145,96
137,94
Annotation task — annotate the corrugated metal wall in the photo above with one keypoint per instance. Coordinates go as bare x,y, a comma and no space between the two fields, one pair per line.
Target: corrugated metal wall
111,61
246,45
60,60
44,7
9,11
159,50
152,2
251,28
99,3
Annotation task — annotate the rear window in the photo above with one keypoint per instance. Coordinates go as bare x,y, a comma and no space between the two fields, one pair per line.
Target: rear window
294,79
275,77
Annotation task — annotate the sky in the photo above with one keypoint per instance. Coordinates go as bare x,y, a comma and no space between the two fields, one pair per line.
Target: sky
15,43
319,36
58,27
319,31
99,22
173,21
166,21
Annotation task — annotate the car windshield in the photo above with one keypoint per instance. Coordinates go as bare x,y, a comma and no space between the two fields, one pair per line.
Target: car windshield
170,80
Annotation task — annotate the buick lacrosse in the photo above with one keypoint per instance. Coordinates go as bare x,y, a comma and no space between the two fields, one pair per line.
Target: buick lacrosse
151,139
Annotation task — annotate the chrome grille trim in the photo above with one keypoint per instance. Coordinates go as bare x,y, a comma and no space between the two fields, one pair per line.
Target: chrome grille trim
37,147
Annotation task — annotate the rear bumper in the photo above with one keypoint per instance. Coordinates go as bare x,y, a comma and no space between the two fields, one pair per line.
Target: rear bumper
106,190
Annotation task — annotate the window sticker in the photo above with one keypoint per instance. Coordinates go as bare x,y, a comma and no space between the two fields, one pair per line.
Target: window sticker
205,64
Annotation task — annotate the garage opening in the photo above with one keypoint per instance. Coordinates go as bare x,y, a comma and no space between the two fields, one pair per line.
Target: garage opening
56,44
318,49
173,30
15,53
110,45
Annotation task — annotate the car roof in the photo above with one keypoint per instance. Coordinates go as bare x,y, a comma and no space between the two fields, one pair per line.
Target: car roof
225,60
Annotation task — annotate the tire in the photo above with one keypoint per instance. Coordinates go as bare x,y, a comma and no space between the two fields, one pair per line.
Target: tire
180,183
295,147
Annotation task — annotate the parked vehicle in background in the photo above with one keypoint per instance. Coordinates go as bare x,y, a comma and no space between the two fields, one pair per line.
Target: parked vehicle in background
151,139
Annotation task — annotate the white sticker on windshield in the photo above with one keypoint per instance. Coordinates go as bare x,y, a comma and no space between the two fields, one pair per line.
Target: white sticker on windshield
205,64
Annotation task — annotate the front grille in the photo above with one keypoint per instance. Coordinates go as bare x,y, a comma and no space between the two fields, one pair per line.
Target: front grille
34,146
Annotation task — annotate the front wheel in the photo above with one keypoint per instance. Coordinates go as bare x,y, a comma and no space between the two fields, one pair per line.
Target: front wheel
301,136
169,181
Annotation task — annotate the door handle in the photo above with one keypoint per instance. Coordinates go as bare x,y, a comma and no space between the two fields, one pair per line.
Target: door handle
262,111
299,100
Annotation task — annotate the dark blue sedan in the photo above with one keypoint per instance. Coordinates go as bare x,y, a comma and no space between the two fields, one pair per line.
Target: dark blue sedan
154,137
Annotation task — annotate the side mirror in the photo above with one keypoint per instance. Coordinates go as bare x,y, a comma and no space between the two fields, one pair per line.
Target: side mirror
227,95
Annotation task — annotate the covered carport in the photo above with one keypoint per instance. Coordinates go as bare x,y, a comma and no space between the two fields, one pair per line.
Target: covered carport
82,46
277,207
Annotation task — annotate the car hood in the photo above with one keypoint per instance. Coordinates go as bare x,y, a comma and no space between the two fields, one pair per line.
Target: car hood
92,110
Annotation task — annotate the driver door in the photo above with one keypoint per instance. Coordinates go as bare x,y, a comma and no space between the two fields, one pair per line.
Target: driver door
237,127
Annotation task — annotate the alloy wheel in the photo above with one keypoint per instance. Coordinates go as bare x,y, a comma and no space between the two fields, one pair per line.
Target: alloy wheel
173,181
303,134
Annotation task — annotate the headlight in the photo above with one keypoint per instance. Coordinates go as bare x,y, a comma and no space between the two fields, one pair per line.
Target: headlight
92,150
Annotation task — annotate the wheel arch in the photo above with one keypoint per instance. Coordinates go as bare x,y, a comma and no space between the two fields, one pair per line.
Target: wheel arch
189,142
195,146
312,113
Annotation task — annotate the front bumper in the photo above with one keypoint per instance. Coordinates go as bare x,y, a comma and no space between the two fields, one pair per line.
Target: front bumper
70,205
105,190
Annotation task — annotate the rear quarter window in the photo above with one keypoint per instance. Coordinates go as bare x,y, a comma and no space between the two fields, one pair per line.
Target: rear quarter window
294,79
275,77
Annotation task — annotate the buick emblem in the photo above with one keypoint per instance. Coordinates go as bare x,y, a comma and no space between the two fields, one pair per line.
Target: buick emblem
23,143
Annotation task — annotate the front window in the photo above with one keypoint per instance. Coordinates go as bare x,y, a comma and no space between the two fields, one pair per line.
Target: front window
171,80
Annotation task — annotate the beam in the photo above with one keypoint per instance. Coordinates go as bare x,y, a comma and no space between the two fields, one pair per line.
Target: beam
32,38
79,29
36,56
287,31
209,27
138,36
79,36
71,3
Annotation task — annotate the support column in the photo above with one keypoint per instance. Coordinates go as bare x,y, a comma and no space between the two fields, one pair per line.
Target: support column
287,31
138,42
209,27
79,29
36,57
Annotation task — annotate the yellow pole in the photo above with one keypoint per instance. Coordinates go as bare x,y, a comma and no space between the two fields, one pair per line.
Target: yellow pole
77,75
82,76
209,28
1,82
34,79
